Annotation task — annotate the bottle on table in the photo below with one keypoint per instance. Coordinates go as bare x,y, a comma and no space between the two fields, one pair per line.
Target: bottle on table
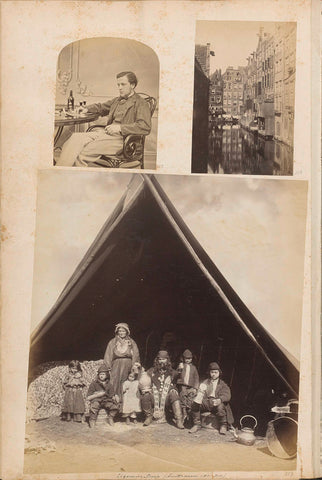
70,101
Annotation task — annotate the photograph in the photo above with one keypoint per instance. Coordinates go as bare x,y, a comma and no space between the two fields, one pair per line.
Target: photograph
106,104
244,98
165,326
160,255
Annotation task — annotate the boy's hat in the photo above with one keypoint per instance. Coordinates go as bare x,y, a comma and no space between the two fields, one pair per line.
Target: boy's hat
163,354
187,354
122,325
103,368
214,366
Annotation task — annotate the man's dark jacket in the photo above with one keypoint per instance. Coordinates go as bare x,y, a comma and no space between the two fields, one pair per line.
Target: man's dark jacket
136,120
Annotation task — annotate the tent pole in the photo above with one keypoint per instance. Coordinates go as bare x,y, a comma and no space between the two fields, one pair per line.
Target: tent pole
234,365
252,372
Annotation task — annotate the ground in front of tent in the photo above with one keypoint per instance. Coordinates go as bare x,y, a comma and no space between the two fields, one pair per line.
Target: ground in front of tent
54,446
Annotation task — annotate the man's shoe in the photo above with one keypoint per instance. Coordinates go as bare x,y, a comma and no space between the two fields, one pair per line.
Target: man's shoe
176,407
128,421
110,421
223,430
92,423
179,423
195,429
148,421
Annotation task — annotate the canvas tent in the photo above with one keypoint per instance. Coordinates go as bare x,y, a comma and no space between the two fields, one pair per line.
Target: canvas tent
146,267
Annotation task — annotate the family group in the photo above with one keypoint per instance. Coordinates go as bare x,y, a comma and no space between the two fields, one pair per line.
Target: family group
161,393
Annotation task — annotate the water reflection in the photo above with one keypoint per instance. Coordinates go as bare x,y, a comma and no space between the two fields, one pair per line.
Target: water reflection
233,149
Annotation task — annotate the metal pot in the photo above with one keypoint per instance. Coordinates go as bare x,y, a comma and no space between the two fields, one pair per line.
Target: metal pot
246,435
281,437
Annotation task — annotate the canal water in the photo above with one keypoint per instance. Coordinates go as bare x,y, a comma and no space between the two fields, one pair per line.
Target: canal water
233,149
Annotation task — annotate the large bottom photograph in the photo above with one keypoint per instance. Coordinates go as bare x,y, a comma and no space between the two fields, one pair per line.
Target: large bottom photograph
166,324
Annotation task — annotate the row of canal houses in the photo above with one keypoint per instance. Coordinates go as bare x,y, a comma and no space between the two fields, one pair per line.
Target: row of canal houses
261,95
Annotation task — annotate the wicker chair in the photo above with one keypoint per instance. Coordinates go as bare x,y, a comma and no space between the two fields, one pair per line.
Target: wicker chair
132,155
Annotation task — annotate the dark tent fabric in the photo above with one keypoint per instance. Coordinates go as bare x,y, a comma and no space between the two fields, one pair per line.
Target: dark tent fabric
146,268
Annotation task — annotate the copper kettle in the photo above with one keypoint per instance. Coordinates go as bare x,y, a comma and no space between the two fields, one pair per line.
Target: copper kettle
246,436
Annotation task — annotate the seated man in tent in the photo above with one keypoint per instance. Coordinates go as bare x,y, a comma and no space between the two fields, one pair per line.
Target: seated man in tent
159,395
127,114
213,396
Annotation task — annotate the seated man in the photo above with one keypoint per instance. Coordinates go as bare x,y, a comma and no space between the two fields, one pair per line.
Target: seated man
127,114
213,396
161,395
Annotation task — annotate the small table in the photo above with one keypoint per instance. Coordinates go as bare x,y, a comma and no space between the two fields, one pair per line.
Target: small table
62,121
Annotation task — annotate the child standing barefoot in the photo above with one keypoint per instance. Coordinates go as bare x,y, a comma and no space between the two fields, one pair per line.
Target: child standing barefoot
73,405
131,398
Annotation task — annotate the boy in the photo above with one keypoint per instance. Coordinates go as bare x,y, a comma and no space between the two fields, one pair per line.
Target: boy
101,395
213,396
188,382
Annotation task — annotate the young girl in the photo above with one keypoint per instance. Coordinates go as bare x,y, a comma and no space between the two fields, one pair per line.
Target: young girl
73,405
131,398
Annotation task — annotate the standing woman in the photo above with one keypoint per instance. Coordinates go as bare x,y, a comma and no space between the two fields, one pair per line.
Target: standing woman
120,356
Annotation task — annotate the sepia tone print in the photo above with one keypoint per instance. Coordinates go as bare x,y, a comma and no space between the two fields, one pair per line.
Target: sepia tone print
106,104
174,344
244,95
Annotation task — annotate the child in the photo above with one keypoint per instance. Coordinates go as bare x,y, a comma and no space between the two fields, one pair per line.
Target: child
213,396
131,398
101,395
188,382
73,405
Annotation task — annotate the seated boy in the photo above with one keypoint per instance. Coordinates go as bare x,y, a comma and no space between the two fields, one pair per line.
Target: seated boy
101,395
213,396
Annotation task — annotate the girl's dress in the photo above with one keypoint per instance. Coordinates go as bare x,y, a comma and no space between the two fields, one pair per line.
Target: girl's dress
73,399
120,355
131,397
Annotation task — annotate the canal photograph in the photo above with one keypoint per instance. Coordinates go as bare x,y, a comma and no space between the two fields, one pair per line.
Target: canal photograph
244,96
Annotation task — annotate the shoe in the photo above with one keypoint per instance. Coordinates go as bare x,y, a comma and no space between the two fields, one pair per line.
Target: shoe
68,417
92,423
176,407
179,423
223,430
135,421
128,421
110,421
185,414
195,429
148,421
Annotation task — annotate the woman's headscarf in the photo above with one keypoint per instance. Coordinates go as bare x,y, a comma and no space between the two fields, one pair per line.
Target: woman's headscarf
122,325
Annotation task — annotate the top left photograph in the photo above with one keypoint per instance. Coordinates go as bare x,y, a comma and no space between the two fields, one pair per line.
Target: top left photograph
106,107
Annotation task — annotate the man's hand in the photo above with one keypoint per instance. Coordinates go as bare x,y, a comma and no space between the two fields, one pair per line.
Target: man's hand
82,110
113,129
216,402
96,395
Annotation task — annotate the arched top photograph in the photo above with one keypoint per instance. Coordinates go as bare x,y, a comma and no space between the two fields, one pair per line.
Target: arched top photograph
106,106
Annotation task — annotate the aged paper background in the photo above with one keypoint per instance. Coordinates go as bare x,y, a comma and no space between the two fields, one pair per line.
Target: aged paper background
33,33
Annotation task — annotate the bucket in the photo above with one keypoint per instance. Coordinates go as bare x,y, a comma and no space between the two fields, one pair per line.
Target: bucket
281,437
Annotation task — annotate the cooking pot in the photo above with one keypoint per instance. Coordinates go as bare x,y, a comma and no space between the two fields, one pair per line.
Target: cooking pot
246,435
